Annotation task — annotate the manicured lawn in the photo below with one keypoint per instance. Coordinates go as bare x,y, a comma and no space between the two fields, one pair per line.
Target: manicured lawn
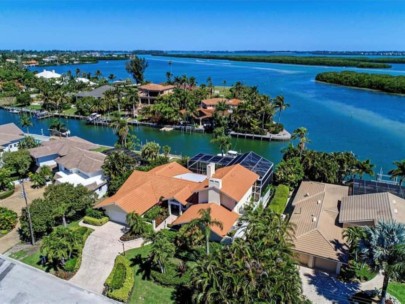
146,291
397,290
35,107
223,91
101,149
71,111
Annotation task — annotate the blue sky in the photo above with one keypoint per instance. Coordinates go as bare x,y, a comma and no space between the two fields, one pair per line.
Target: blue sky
203,25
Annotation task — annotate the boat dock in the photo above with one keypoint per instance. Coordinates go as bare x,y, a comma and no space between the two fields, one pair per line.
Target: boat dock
282,136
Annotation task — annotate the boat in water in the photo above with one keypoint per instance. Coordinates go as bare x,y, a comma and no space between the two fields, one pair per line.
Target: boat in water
92,117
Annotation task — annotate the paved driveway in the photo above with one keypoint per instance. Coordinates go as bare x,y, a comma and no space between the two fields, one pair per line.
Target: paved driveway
321,287
99,252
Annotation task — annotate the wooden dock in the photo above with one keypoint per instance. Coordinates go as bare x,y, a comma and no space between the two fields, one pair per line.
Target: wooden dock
282,136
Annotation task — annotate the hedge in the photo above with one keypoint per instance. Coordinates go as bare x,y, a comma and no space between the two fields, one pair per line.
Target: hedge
6,193
121,294
8,219
118,278
279,200
94,221
171,276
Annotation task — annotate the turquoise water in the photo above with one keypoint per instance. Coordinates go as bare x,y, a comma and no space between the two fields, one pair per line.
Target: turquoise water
370,124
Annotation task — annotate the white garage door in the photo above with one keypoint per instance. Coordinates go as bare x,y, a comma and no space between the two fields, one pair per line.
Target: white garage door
116,214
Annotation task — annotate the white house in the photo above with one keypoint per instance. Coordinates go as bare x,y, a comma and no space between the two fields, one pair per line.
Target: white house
48,75
10,136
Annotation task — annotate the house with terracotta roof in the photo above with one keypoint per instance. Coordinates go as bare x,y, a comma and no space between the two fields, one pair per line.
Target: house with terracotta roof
149,92
10,136
226,191
212,103
74,161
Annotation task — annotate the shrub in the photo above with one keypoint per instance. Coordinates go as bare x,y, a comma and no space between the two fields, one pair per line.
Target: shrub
276,128
118,277
152,213
8,219
6,193
70,265
279,201
172,275
95,213
95,221
122,293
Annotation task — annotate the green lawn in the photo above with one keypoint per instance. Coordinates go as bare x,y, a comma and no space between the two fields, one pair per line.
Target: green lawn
397,290
223,91
35,107
146,291
71,111
101,149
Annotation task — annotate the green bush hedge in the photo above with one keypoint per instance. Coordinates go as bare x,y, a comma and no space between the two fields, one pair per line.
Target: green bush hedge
279,200
8,219
121,294
6,193
95,221
94,213
70,265
118,278
172,276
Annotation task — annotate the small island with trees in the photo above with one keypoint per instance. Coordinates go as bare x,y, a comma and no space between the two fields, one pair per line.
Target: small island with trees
379,82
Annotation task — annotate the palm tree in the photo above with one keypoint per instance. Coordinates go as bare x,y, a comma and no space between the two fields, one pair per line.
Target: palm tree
301,134
204,223
383,249
223,140
136,223
281,105
150,151
161,251
25,121
353,235
365,167
111,77
98,73
399,171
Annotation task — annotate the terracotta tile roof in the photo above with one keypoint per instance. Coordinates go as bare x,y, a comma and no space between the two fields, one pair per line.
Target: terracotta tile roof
10,132
156,87
315,219
236,181
61,146
234,102
219,213
213,101
143,190
85,161
372,207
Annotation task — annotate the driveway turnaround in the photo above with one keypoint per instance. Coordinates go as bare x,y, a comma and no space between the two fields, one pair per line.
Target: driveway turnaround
20,283
99,253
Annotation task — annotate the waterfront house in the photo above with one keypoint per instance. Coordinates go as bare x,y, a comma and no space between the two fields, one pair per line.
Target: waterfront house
212,103
30,63
318,237
74,162
10,136
48,75
96,93
183,193
149,92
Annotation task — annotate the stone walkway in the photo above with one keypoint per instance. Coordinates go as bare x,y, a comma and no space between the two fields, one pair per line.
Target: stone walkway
99,253
321,287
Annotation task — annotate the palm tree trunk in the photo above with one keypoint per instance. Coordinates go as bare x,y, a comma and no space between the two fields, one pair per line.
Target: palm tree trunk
384,288
207,238
64,221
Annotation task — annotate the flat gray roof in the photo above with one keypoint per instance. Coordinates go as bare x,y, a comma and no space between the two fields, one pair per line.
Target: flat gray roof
20,283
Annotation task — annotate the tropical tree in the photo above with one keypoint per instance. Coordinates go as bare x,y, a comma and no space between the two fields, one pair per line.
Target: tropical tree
60,246
301,134
205,222
28,142
161,251
150,151
18,162
223,140
280,105
25,121
166,151
137,225
399,171
111,77
136,67
365,167
5,179
353,235
121,129
383,249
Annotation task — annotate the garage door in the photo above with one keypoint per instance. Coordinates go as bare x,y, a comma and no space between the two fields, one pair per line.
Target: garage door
325,265
116,214
303,259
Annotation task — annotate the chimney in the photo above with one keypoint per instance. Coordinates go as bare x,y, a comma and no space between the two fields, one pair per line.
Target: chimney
210,170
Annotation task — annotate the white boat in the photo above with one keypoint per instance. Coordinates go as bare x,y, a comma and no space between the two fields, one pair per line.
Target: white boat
93,116
15,111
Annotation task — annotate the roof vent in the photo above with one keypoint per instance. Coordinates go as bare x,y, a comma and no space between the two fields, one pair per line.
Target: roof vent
394,201
306,194
319,201
314,218
395,210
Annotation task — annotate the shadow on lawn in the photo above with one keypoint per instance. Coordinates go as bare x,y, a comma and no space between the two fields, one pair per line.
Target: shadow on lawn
144,264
